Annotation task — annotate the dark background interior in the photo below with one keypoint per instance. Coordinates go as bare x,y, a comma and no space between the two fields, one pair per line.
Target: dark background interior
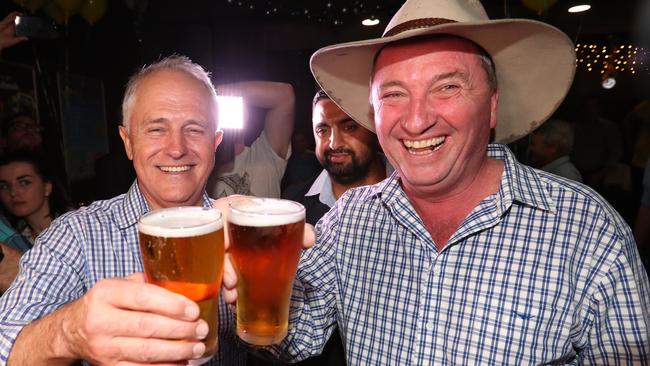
273,40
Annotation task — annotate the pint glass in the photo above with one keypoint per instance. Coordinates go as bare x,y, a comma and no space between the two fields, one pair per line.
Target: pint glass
265,242
182,250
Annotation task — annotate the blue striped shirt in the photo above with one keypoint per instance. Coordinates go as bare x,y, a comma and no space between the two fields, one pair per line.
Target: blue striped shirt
77,250
542,271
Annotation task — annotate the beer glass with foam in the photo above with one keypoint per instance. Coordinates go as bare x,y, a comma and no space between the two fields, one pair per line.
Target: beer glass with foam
182,251
265,242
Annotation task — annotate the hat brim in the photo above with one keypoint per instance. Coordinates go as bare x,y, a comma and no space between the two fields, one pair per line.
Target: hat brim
535,65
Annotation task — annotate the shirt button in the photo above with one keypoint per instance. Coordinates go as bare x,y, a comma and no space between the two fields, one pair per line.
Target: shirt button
429,326
425,362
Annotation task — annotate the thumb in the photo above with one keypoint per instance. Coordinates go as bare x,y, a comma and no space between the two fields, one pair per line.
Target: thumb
309,236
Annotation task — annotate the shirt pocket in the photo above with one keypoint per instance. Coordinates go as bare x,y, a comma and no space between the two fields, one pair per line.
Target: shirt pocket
520,334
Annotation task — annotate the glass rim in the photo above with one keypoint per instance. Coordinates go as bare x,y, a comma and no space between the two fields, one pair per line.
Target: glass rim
177,230
299,207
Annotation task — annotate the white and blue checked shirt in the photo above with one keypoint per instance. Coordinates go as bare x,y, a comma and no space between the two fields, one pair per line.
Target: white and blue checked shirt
77,250
543,271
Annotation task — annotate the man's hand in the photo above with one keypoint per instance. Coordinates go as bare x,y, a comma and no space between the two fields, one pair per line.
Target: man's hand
8,266
229,288
123,321
8,37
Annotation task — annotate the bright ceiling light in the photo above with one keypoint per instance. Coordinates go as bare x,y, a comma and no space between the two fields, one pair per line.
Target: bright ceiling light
579,8
370,22
608,83
231,112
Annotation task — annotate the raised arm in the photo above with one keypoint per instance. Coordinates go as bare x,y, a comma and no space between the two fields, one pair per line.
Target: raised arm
279,101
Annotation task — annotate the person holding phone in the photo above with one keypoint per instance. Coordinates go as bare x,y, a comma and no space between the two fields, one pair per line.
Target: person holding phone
8,37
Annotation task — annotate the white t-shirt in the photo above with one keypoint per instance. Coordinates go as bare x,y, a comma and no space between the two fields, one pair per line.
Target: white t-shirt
257,171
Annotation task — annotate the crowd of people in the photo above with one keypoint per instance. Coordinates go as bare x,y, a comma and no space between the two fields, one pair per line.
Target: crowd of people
428,242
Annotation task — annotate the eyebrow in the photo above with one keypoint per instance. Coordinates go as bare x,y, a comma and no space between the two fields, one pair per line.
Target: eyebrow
344,120
155,120
450,75
24,176
447,75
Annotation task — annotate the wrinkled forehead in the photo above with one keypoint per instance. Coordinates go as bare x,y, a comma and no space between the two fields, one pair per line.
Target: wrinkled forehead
410,48
173,80
174,88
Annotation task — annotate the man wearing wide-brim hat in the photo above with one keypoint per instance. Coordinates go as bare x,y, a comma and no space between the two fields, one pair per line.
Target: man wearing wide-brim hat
465,256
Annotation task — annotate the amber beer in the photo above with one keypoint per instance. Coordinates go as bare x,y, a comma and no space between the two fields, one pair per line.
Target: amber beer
265,242
182,250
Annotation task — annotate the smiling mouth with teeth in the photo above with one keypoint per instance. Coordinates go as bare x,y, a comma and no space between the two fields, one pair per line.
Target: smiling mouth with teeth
174,169
421,147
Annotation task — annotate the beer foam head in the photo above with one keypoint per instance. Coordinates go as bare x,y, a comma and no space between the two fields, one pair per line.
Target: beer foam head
262,212
179,222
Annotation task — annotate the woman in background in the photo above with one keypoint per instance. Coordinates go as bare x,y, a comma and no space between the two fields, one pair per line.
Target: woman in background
29,193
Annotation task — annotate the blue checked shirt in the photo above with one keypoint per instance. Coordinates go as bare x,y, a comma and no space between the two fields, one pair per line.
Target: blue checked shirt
77,250
543,271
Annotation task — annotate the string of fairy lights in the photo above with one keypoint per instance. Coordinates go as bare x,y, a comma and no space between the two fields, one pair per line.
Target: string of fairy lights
606,59
334,12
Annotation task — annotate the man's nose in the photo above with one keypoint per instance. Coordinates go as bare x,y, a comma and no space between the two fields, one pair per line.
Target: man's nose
176,145
335,139
418,116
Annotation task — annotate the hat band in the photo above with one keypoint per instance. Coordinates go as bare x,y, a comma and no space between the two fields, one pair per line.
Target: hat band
417,24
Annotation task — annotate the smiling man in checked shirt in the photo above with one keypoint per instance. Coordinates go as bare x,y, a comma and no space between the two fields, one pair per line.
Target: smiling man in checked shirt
464,256
80,294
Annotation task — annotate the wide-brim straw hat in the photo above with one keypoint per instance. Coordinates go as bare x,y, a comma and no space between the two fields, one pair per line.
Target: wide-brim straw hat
535,62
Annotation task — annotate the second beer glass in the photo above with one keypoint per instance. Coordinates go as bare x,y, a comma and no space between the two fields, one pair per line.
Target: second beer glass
182,251
265,243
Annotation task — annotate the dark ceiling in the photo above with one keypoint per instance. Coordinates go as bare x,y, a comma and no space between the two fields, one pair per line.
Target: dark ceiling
620,17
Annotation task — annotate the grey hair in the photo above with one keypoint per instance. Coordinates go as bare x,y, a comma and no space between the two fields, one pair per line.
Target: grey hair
557,132
174,63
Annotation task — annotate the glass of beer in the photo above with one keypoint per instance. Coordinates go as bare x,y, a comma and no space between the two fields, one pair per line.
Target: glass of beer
265,243
182,251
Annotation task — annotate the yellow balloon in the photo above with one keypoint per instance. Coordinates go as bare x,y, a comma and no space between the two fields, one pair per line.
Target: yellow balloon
34,5
53,11
538,6
70,6
93,10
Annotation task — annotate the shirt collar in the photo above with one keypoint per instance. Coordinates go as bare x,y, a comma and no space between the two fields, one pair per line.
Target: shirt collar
135,205
519,183
322,187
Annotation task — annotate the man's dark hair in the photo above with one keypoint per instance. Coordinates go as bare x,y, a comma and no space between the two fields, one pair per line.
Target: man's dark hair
320,95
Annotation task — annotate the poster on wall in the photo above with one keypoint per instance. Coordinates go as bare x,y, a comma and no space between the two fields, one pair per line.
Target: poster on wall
18,95
83,124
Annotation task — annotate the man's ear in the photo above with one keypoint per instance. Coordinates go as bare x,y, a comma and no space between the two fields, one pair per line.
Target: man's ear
124,134
218,137
494,101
